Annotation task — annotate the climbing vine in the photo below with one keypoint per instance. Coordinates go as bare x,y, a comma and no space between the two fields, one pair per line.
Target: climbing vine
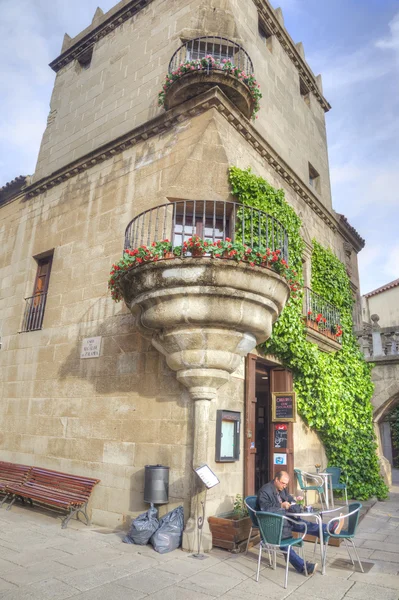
334,389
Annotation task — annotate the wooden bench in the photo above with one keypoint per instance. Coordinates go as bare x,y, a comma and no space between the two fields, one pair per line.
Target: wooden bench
11,474
61,490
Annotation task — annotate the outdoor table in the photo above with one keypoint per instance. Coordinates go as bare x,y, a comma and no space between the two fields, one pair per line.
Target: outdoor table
327,479
318,516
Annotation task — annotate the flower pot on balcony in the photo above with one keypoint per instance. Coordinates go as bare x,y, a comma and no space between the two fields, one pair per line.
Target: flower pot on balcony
168,255
231,532
197,252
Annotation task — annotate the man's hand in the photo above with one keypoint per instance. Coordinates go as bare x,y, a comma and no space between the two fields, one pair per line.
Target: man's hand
285,505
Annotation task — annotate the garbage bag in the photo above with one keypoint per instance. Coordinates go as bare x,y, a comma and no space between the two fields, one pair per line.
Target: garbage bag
142,528
169,534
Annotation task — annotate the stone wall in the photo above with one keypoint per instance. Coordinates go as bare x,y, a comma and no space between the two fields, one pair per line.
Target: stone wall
108,416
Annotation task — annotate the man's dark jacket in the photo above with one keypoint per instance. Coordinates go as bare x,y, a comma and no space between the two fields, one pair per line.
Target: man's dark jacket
268,501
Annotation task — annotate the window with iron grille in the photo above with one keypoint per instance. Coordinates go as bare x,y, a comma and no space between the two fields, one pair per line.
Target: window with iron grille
35,304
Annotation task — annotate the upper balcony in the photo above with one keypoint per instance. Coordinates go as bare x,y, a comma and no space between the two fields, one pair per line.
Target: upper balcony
205,62
323,322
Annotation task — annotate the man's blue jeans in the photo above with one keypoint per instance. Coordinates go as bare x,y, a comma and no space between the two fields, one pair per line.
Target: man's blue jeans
313,529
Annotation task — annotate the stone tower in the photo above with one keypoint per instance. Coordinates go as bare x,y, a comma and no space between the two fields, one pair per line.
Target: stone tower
109,154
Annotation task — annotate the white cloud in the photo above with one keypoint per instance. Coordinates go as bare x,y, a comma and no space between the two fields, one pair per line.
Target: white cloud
391,42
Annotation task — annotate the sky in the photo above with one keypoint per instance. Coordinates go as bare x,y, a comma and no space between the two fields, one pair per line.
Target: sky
354,44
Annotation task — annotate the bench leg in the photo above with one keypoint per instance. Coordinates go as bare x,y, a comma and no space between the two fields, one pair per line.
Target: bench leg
12,502
82,509
75,511
4,499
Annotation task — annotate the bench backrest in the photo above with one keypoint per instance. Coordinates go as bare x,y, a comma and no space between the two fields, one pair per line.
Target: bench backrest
12,473
75,485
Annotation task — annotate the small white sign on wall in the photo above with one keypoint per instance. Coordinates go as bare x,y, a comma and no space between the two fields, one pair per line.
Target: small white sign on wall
91,347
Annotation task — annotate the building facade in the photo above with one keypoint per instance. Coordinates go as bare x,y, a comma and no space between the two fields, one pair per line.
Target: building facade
108,154
379,338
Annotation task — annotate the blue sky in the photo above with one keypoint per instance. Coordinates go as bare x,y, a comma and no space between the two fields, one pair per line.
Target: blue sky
354,44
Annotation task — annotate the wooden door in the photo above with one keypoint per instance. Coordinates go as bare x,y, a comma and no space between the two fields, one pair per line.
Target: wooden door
281,381
250,425
42,278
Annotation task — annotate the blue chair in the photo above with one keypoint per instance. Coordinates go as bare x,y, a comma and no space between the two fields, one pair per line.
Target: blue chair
347,534
303,476
335,481
251,504
271,532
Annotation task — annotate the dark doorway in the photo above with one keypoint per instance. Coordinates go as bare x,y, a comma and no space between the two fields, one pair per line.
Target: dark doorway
262,435
266,443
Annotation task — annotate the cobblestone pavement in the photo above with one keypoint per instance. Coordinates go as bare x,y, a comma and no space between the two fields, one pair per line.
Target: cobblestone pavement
40,561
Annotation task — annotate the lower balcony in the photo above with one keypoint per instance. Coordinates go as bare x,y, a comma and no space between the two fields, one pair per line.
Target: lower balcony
206,280
323,322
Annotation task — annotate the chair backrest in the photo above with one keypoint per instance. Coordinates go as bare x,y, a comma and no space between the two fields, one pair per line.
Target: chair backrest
252,505
335,474
270,527
353,520
298,474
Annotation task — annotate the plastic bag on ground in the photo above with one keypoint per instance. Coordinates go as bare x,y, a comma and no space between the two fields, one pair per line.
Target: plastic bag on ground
142,528
169,534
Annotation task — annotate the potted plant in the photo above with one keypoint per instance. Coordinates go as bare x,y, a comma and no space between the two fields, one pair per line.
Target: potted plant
230,530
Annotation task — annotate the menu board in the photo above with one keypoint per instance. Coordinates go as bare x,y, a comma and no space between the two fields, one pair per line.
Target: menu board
284,406
207,476
281,435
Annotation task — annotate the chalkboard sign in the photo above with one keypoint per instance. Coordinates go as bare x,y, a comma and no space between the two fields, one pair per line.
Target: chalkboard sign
283,407
281,435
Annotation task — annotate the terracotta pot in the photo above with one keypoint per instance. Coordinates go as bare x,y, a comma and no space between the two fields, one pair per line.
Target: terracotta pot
197,252
168,254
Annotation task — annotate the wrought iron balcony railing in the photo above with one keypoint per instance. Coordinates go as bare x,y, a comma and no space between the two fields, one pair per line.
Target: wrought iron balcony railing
219,48
34,312
322,316
211,220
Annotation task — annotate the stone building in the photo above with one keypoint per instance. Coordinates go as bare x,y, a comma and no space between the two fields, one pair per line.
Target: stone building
379,339
108,154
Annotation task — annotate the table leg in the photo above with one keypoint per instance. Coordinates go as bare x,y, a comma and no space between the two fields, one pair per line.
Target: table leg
321,539
326,491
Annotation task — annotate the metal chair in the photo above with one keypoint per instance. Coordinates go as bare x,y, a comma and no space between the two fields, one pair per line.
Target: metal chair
302,476
271,531
251,504
335,481
345,534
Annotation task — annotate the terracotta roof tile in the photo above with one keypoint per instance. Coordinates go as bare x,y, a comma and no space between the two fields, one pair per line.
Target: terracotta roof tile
383,288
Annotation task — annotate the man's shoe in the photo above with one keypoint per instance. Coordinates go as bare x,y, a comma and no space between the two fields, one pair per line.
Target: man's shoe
337,526
311,568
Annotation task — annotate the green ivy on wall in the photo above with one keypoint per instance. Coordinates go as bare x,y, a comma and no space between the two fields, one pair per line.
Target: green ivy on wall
334,389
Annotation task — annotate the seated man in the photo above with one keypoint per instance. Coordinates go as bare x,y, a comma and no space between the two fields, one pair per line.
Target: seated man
273,497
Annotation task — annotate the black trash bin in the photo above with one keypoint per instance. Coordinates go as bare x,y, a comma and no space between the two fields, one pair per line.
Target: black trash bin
156,484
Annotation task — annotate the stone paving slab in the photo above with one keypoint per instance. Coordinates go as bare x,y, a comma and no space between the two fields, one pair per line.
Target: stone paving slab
40,561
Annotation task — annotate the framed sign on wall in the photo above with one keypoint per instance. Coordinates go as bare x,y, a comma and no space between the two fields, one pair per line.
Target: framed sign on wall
227,436
284,407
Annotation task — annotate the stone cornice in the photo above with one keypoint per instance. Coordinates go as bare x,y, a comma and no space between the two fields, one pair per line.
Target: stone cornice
270,21
214,98
108,25
349,233
11,189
